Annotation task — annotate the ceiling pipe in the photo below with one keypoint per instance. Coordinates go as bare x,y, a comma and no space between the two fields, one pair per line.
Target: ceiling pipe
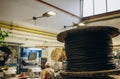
58,8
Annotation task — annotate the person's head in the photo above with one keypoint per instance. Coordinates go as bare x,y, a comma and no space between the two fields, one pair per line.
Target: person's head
4,54
47,65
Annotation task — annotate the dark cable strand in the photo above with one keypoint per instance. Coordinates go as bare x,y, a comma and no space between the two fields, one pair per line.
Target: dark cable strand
89,51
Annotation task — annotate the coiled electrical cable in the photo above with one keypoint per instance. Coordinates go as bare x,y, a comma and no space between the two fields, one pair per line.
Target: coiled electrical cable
89,49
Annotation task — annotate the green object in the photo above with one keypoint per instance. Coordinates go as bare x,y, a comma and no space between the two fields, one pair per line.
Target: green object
3,34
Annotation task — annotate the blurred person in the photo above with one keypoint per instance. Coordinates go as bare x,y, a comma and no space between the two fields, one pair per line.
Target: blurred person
4,55
48,72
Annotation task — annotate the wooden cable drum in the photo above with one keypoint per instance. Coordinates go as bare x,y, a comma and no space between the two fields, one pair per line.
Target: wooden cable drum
89,49
58,54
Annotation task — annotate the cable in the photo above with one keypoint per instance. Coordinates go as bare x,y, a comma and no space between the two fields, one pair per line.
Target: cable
89,51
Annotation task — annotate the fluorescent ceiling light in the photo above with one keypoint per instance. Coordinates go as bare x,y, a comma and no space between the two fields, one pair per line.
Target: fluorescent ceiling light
48,14
81,24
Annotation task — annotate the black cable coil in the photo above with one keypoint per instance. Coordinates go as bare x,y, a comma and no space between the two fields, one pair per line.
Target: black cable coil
89,51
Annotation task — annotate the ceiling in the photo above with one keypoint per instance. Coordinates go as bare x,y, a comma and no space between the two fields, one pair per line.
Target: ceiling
21,12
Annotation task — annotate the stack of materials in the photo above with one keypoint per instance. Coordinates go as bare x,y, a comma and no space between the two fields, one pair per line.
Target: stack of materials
89,52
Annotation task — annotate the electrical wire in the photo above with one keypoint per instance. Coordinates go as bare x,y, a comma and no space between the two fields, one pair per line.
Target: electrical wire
89,51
